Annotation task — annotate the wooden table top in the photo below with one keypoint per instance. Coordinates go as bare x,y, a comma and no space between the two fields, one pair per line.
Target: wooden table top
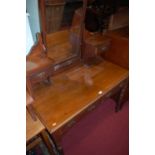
32,127
74,90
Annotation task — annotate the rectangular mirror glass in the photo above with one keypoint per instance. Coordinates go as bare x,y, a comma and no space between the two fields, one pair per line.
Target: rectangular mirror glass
63,29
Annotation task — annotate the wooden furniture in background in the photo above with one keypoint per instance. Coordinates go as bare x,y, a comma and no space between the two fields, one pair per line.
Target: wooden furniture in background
93,44
118,52
75,92
119,19
54,14
96,44
118,34
42,15
38,65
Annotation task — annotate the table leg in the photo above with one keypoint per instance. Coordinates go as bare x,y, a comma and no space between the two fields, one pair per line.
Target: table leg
121,96
50,141
58,146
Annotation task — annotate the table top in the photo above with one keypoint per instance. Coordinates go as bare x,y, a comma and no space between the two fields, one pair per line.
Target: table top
74,90
32,127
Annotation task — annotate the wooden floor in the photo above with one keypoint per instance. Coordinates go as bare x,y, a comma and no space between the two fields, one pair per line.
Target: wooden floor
74,90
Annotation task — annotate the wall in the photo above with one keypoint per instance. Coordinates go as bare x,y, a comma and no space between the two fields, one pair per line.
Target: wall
32,9
29,39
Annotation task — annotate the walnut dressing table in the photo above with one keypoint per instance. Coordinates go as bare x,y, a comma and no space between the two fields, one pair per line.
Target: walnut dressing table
77,91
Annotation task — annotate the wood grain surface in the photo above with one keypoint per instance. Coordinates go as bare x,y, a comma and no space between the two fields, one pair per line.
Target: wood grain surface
72,92
32,127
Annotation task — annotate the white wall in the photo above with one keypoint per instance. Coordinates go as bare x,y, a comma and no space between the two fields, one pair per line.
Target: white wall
33,10
29,39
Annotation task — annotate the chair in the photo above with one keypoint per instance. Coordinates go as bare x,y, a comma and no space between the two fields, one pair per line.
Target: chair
38,65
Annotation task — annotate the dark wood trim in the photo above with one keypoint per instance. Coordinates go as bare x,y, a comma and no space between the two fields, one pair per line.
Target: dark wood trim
119,101
30,145
45,138
83,28
65,65
43,26
42,13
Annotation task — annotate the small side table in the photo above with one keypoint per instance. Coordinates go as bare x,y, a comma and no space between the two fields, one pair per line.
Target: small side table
35,132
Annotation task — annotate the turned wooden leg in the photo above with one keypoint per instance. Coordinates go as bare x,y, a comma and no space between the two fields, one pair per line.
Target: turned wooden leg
57,137
61,152
46,139
120,98
53,148
58,146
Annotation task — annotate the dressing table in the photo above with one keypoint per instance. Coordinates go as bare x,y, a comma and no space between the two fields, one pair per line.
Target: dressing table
77,91
77,87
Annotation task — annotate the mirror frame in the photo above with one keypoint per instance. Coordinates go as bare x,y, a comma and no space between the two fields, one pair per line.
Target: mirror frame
43,28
